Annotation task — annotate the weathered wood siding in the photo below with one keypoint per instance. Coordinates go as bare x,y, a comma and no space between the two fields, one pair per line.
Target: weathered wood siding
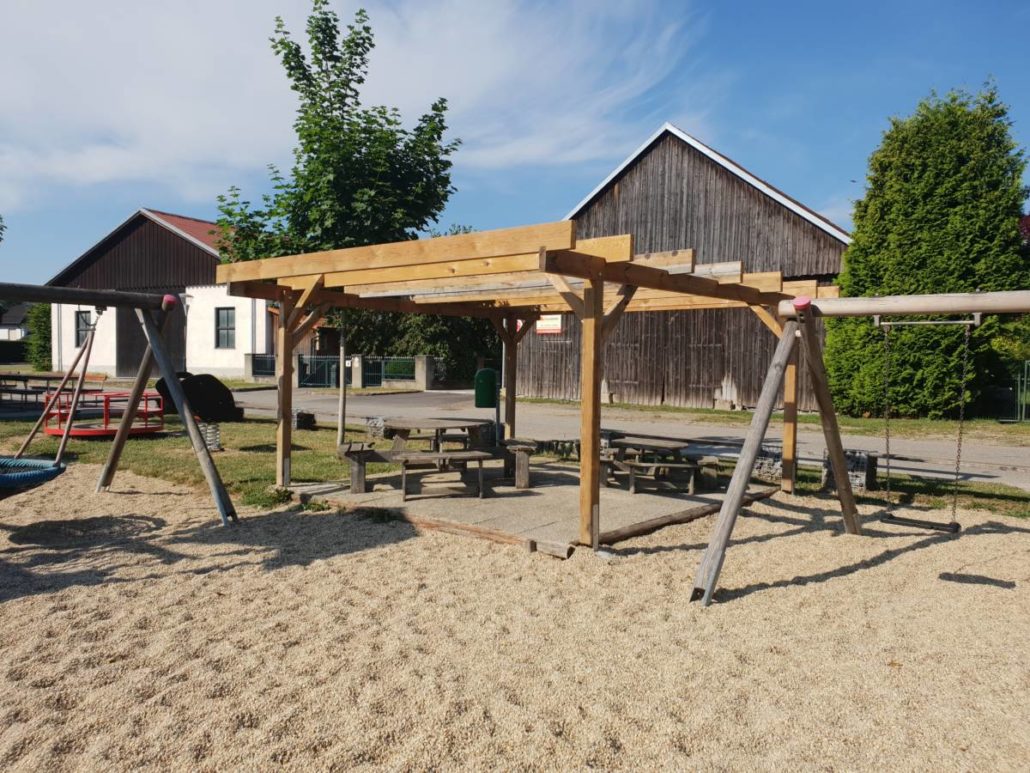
674,197
141,255
679,358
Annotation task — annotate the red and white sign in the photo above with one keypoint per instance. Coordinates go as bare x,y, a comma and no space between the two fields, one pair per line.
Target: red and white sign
549,324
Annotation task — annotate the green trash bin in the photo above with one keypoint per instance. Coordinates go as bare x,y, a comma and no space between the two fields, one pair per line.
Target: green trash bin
485,384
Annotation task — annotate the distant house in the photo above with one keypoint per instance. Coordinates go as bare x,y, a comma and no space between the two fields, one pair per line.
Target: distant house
675,192
13,325
158,252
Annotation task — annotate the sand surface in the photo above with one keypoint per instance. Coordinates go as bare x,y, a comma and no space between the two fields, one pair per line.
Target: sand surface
137,632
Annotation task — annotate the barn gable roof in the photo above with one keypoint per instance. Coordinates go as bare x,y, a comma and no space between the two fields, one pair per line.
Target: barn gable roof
769,190
200,233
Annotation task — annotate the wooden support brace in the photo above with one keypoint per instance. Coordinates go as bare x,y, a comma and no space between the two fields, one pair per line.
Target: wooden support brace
616,310
790,424
565,290
307,324
135,395
711,563
828,416
768,319
315,284
182,405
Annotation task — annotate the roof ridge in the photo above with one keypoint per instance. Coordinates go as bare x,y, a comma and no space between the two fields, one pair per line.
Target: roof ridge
176,214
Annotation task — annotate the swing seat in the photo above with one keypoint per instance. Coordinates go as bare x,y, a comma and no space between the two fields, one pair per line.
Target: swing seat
18,474
953,527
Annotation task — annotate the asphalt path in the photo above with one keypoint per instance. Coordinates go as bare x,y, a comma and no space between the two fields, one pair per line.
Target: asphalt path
927,457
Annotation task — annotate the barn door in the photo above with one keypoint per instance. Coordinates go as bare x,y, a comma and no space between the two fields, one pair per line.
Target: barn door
131,343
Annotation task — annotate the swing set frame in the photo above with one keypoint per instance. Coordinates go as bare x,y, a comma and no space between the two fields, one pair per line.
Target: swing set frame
151,310
798,322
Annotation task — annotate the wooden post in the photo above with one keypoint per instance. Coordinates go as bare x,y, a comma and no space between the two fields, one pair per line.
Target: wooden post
63,445
590,413
790,424
511,364
284,379
50,402
182,405
138,387
828,416
341,426
715,553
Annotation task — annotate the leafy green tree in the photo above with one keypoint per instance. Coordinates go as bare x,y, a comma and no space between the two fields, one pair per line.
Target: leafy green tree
359,176
38,340
940,214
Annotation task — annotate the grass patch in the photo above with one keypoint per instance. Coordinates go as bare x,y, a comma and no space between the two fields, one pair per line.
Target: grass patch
247,465
935,494
977,429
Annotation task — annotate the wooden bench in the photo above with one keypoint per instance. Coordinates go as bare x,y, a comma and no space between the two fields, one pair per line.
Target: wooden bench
703,471
359,455
516,460
410,460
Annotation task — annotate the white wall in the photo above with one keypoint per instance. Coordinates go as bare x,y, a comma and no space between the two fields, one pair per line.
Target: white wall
251,331
103,358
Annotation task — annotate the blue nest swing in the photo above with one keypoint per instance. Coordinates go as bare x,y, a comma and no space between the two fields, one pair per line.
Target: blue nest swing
25,473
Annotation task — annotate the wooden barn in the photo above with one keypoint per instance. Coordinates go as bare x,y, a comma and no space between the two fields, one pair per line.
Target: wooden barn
675,192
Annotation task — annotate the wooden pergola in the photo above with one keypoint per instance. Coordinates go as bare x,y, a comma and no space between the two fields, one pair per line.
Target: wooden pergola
511,277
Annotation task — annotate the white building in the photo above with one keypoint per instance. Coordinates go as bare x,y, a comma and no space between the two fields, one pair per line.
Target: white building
12,322
157,252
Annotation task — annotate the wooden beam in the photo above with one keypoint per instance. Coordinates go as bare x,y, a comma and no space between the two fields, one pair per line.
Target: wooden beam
768,320
167,370
284,380
335,299
685,259
590,414
1013,302
307,324
442,249
511,365
615,311
790,424
828,416
574,301
311,286
654,278
715,553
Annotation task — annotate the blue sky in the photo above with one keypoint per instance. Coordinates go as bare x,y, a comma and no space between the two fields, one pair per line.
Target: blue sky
546,97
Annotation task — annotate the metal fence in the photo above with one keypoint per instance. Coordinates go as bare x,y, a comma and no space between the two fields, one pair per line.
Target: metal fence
263,365
376,370
319,371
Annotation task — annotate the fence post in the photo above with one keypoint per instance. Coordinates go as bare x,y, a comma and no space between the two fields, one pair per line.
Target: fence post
357,371
422,372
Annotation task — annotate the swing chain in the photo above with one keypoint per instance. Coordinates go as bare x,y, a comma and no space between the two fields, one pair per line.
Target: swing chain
961,422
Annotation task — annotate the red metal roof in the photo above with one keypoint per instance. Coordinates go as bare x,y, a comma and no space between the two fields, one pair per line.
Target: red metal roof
202,230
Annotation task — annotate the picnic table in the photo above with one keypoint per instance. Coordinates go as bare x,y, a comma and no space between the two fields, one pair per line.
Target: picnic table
653,457
438,431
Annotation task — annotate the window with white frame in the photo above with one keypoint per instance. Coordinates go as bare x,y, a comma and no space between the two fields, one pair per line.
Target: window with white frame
82,324
225,328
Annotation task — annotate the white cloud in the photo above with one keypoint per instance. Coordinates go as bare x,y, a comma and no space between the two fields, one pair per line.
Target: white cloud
189,94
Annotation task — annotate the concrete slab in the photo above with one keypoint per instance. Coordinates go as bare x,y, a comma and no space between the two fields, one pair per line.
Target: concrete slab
548,512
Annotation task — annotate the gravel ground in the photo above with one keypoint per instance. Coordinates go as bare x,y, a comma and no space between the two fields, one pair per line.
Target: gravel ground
136,631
